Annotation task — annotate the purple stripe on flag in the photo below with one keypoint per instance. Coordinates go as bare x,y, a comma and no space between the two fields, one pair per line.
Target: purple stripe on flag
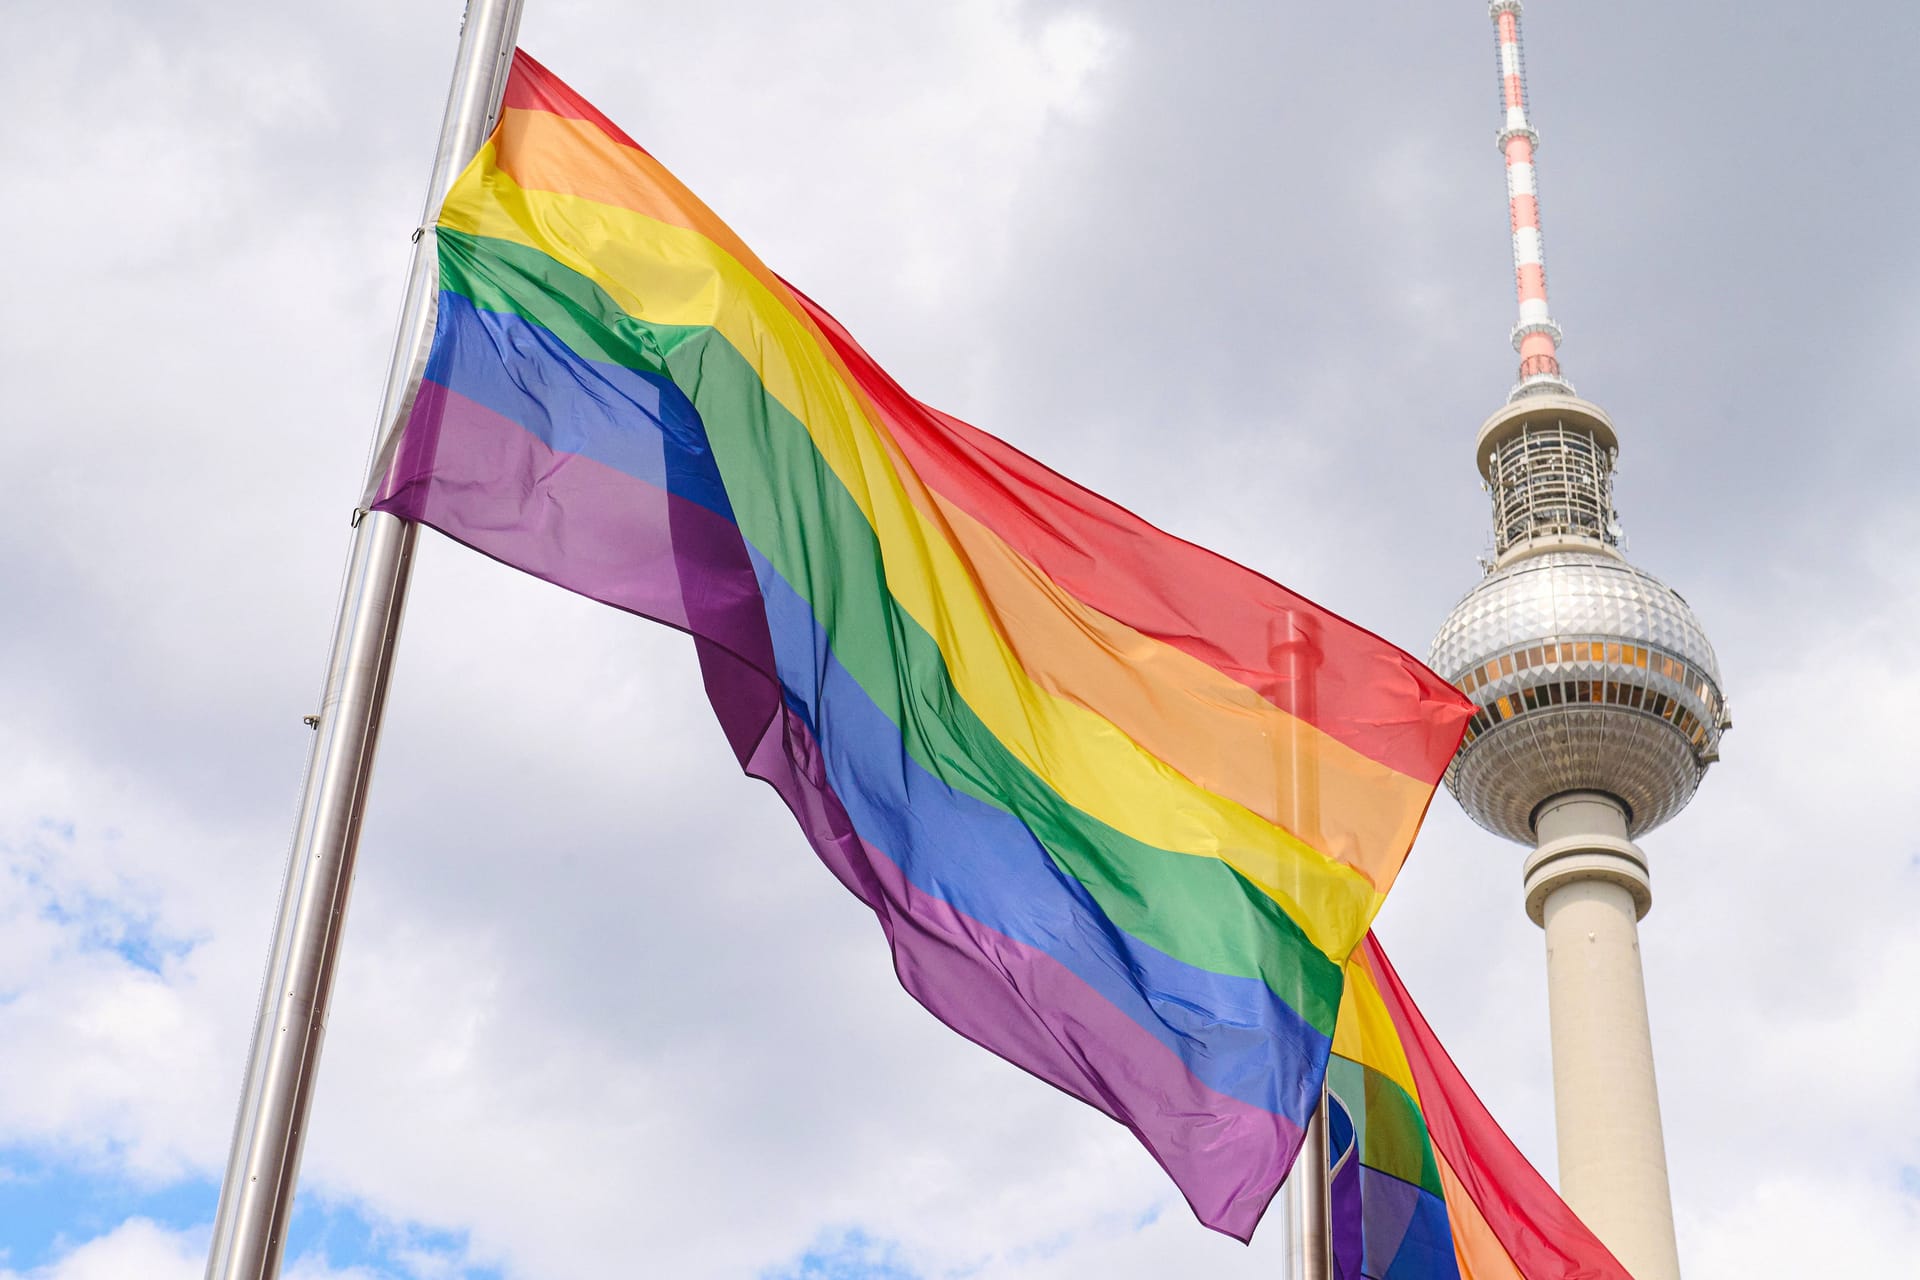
1027,1007
484,480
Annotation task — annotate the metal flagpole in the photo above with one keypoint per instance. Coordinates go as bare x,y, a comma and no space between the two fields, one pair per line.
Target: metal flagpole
1311,1236
256,1198
1309,1217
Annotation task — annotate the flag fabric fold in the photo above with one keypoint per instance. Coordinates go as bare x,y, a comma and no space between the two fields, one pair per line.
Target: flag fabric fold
1425,1185
1122,807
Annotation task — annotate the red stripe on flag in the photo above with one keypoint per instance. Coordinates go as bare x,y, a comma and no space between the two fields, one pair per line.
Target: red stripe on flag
1362,691
531,87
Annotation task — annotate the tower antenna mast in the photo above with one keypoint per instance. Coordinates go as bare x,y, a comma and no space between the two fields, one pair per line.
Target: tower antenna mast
1536,337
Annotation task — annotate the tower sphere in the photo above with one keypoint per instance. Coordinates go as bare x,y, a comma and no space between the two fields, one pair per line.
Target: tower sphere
1589,674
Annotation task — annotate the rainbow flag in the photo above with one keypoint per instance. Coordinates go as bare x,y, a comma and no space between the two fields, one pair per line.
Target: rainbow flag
1122,807
1425,1185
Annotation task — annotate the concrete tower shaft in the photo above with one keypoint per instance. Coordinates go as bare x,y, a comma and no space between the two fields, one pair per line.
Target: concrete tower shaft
1587,887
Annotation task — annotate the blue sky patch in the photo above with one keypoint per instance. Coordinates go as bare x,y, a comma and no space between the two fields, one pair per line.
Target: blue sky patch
50,1207
849,1254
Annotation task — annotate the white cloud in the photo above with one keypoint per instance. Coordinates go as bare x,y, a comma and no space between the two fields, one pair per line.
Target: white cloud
1846,1225
135,1248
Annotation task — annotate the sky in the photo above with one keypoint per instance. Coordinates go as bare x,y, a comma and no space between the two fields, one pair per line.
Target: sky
1242,267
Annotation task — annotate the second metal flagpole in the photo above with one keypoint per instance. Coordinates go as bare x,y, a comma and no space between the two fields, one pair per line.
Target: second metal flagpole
1309,1216
263,1165
1310,1237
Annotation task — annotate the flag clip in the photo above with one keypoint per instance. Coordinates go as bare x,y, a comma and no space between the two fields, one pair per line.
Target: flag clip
359,514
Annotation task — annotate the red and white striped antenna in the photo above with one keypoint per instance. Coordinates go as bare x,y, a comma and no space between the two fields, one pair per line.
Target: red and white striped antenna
1536,337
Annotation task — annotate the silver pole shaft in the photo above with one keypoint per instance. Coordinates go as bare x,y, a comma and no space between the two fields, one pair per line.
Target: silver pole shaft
263,1165
1312,1233
1309,1214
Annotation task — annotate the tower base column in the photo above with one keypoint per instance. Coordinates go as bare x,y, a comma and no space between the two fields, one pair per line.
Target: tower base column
1587,886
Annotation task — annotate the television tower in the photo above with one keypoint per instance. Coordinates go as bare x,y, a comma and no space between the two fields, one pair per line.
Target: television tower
1599,711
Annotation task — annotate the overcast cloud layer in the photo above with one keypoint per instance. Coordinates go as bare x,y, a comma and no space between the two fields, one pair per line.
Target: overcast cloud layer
1240,266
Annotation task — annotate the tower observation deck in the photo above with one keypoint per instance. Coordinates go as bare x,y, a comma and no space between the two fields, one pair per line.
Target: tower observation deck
1599,711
